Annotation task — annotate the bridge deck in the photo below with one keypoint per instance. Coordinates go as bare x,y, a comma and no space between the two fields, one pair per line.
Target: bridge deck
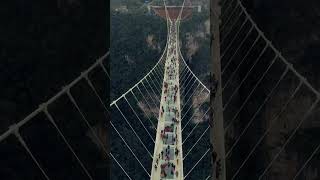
167,159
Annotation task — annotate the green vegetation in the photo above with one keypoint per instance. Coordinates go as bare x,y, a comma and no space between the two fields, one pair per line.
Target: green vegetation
196,26
131,56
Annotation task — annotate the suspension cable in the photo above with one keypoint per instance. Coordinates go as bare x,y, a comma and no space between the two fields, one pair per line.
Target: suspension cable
205,131
133,129
274,119
135,97
256,113
139,119
120,166
196,163
129,148
291,135
194,127
253,89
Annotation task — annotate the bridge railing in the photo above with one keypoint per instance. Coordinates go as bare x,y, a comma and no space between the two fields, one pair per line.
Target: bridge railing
134,116
264,95
36,146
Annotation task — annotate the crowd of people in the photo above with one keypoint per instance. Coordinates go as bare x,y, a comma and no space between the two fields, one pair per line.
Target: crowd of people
168,158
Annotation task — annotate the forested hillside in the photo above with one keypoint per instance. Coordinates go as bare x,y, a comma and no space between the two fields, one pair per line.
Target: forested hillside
138,40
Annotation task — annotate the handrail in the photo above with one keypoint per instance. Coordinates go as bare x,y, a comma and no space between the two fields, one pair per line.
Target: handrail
43,106
161,58
286,62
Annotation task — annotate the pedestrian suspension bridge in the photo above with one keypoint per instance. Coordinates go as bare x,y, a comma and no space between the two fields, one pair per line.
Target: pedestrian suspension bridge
165,121
162,92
